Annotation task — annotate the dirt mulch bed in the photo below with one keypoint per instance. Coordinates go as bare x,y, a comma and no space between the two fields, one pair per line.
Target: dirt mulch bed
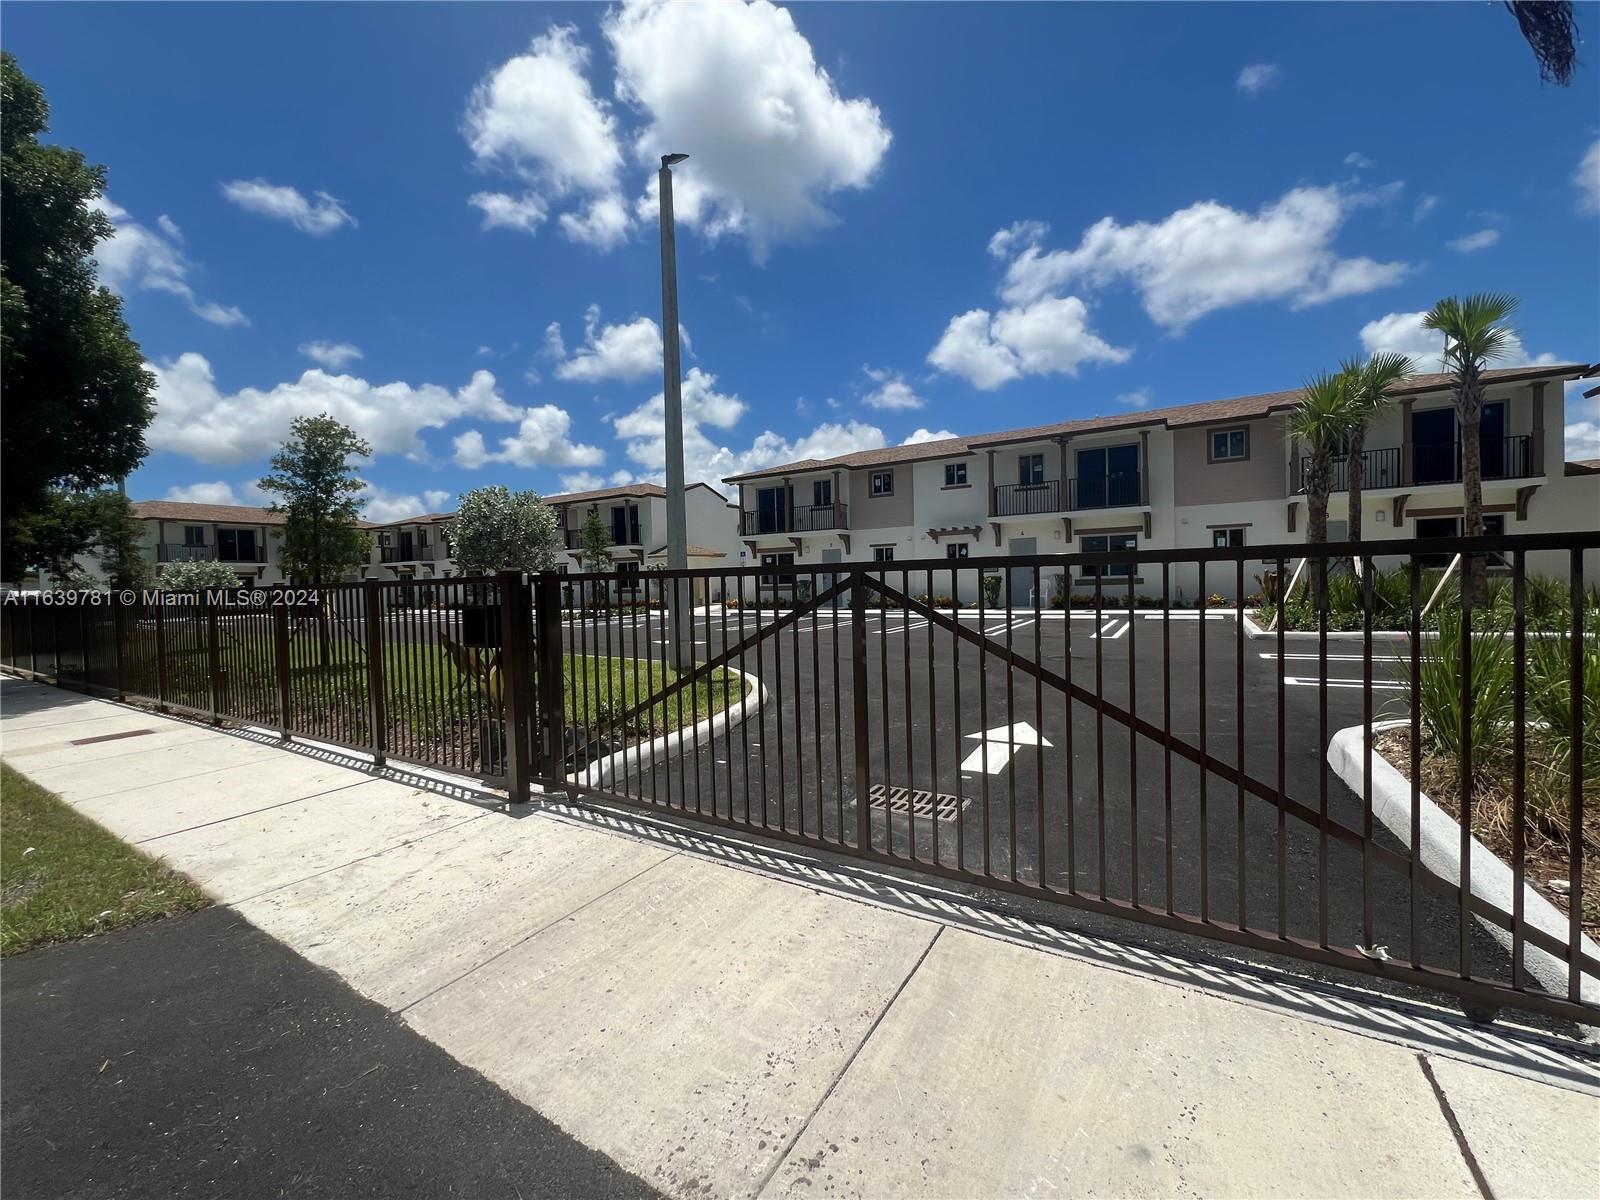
1546,855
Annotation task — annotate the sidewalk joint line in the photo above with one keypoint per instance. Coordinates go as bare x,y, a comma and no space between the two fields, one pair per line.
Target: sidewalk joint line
237,816
789,1145
535,933
1455,1128
400,845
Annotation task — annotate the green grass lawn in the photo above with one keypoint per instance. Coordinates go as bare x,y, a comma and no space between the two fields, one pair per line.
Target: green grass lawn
62,877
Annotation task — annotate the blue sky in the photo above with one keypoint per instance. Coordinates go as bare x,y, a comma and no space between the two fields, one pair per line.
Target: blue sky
436,221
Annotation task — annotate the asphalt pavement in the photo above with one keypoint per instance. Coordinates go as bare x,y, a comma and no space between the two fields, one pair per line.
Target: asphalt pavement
197,1056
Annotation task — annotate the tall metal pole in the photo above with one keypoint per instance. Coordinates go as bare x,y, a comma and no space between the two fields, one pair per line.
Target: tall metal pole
672,391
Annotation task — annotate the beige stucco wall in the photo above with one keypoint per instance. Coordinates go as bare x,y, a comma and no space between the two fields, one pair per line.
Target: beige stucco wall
1259,477
880,512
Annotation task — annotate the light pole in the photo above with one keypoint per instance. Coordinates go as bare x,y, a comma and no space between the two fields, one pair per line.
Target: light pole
672,392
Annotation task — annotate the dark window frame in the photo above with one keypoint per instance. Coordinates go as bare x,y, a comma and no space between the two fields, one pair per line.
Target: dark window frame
1227,431
958,550
886,478
1113,570
955,475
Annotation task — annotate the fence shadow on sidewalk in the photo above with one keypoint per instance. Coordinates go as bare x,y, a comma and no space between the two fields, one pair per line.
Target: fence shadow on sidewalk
1414,1023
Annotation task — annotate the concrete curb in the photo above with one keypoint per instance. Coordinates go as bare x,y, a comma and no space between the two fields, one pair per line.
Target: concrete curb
600,772
1492,879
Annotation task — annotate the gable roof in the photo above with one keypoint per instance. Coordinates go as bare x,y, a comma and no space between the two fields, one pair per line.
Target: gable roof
1237,408
182,510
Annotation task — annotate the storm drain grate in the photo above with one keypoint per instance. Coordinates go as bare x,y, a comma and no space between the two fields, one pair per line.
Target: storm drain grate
919,803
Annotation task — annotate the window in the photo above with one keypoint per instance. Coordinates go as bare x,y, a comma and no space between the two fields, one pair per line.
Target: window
883,554
955,474
1224,539
630,577
957,550
236,545
780,559
883,483
194,535
1230,445
772,510
822,493
1102,543
1030,468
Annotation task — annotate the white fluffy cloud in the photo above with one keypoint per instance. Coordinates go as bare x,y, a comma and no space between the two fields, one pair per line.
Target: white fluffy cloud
1258,78
629,351
1138,398
1587,179
332,355
195,418
543,439
216,491
1208,256
1583,421
1481,240
524,213
1402,333
437,498
1359,161
319,215
918,436
381,505
642,432
582,481
892,393
137,257
737,86
1049,336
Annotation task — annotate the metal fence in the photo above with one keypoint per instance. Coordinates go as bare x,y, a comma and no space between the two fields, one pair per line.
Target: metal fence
1058,726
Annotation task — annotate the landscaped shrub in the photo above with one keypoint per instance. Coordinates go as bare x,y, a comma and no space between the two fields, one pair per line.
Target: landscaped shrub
991,589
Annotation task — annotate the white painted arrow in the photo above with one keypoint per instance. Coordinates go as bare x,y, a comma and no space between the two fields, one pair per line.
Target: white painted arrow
1005,739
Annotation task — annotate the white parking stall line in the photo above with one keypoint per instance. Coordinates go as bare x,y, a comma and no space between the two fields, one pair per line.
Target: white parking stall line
1306,681
1377,656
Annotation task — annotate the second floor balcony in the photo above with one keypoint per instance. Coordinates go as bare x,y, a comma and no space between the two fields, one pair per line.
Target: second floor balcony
1431,462
177,552
1072,495
405,553
804,518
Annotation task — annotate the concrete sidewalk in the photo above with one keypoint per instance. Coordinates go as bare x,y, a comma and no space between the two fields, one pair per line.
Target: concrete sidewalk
729,1020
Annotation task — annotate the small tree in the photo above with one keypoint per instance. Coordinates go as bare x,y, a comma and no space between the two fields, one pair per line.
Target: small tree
1369,395
500,530
66,526
594,544
1475,334
1322,419
312,472
197,576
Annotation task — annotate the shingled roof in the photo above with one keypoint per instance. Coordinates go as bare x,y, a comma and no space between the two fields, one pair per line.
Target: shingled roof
223,514
1237,408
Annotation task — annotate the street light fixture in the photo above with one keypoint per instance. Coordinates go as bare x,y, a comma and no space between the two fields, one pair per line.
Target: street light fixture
672,393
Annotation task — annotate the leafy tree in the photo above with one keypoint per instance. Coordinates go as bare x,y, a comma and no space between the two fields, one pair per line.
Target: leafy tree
1370,383
312,472
1551,31
500,530
76,395
197,576
64,527
1475,334
1322,419
594,548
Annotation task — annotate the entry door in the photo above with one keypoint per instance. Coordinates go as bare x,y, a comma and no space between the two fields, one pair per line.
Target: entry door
1433,437
1019,581
826,580
772,504
1122,475
1492,439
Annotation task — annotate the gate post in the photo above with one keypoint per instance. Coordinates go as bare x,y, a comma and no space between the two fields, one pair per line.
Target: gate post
116,645
161,652
280,656
213,658
858,677
516,663
376,708
551,710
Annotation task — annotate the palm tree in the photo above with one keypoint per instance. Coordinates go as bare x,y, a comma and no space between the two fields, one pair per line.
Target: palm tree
1370,382
1322,419
1475,334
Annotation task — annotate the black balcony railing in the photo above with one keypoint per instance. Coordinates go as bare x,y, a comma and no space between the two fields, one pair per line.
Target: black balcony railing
401,554
1431,462
806,518
169,552
1105,491
1020,499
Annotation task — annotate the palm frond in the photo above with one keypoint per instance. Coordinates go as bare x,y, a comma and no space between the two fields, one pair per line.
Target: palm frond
1326,412
1474,327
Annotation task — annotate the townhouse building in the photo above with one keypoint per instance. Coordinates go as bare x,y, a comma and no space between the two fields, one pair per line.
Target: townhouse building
240,536
1219,473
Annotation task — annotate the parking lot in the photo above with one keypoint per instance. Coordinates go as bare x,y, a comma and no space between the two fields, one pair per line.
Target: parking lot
973,765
